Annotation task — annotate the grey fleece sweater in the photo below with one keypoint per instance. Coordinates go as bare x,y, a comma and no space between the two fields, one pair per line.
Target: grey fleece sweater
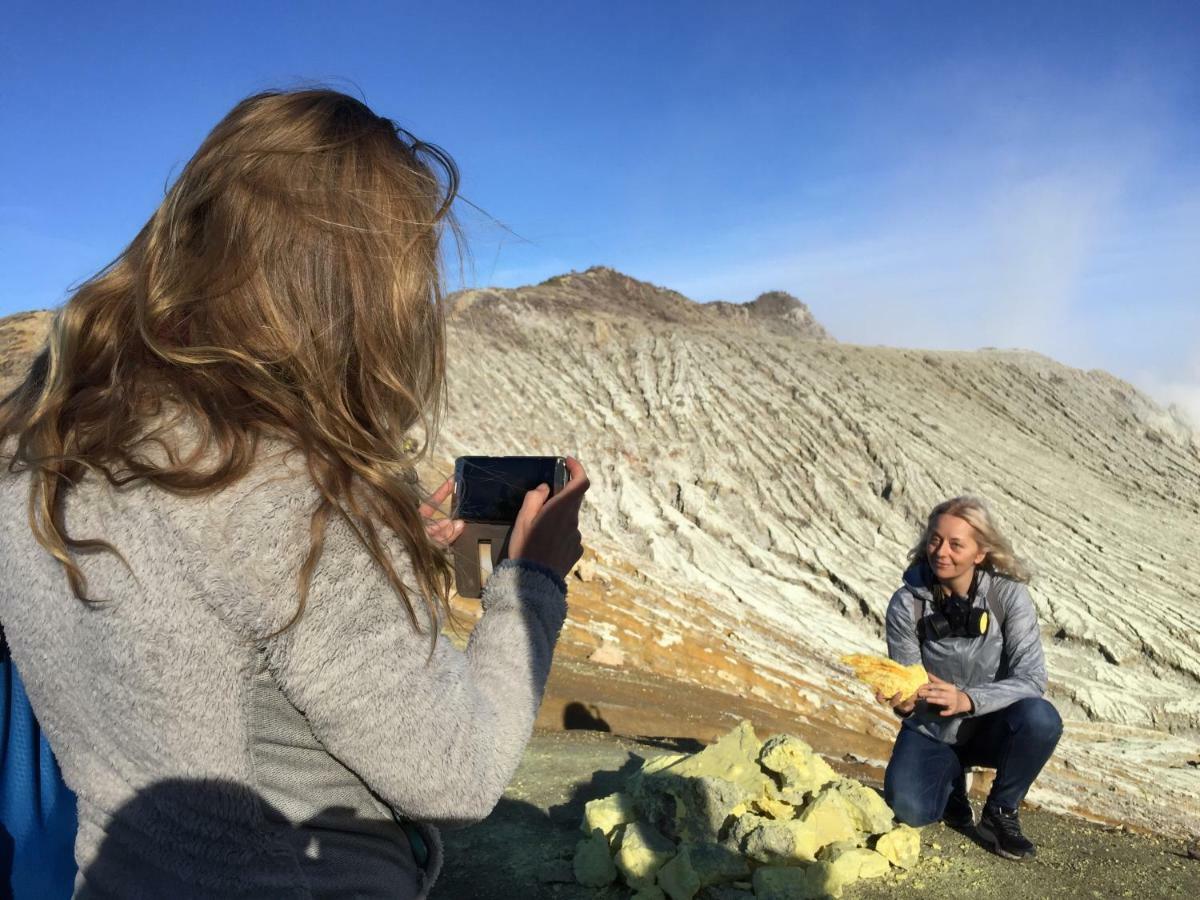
211,758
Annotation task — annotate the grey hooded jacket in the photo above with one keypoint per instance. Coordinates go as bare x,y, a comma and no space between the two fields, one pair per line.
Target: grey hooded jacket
215,753
995,670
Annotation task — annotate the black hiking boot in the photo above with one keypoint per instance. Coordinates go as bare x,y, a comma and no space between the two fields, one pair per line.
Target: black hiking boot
1002,829
958,812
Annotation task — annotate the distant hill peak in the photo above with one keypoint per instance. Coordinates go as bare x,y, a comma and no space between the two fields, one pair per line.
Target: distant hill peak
602,290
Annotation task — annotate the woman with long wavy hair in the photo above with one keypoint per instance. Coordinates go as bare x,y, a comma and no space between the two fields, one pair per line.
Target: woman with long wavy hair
218,575
964,612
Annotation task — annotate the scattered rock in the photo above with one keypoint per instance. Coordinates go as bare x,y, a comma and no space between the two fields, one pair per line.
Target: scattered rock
608,655
641,853
831,878
585,570
678,878
901,846
607,813
593,866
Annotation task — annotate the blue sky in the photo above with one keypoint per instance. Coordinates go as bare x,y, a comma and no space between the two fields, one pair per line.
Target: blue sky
927,174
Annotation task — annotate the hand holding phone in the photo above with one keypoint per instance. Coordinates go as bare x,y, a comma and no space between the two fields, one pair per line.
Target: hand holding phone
547,528
519,507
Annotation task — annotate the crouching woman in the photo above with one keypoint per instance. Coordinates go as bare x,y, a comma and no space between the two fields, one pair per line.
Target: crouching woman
964,612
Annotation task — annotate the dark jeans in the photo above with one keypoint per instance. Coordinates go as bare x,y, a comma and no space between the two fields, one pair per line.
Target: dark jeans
1016,741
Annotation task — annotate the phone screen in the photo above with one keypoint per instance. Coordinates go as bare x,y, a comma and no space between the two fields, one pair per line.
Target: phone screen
492,488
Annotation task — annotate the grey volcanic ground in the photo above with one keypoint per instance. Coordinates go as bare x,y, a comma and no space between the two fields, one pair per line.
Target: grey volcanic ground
757,486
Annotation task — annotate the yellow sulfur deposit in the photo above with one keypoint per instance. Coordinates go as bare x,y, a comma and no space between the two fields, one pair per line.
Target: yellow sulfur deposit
800,770
592,864
870,813
734,758
825,820
829,879
687,826
678,878
642,852
887,677
901,846
773,809
607,813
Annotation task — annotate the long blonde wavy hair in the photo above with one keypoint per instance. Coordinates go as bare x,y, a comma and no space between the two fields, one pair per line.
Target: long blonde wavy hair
999,556
289,286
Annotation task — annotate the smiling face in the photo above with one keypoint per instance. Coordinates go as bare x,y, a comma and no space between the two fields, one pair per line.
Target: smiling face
954,552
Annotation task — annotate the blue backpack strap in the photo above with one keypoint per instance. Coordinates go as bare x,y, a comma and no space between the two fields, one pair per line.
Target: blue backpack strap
37,809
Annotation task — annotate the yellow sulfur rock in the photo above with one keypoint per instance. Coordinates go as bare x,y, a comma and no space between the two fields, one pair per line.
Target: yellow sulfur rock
774,809
592,865
678,878
642,852
734,758
901,845
825,820
692,797
800,770
887,677
661,763
830,878
607,813
871,814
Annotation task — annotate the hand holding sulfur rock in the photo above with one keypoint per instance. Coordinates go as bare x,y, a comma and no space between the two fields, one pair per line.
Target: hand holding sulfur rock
894,684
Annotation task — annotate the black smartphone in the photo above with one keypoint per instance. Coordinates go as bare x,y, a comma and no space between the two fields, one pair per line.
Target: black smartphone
491,489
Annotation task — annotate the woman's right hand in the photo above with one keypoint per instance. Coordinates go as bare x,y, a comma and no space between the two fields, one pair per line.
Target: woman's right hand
897,702
547,528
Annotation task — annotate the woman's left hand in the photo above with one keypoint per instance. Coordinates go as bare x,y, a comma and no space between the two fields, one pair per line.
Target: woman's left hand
943,693
442,532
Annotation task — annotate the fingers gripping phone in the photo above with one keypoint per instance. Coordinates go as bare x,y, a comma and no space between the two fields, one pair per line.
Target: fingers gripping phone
488,493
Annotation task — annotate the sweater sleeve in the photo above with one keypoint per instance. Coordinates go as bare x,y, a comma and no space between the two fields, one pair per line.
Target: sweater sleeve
1025,663
435,732
901,628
